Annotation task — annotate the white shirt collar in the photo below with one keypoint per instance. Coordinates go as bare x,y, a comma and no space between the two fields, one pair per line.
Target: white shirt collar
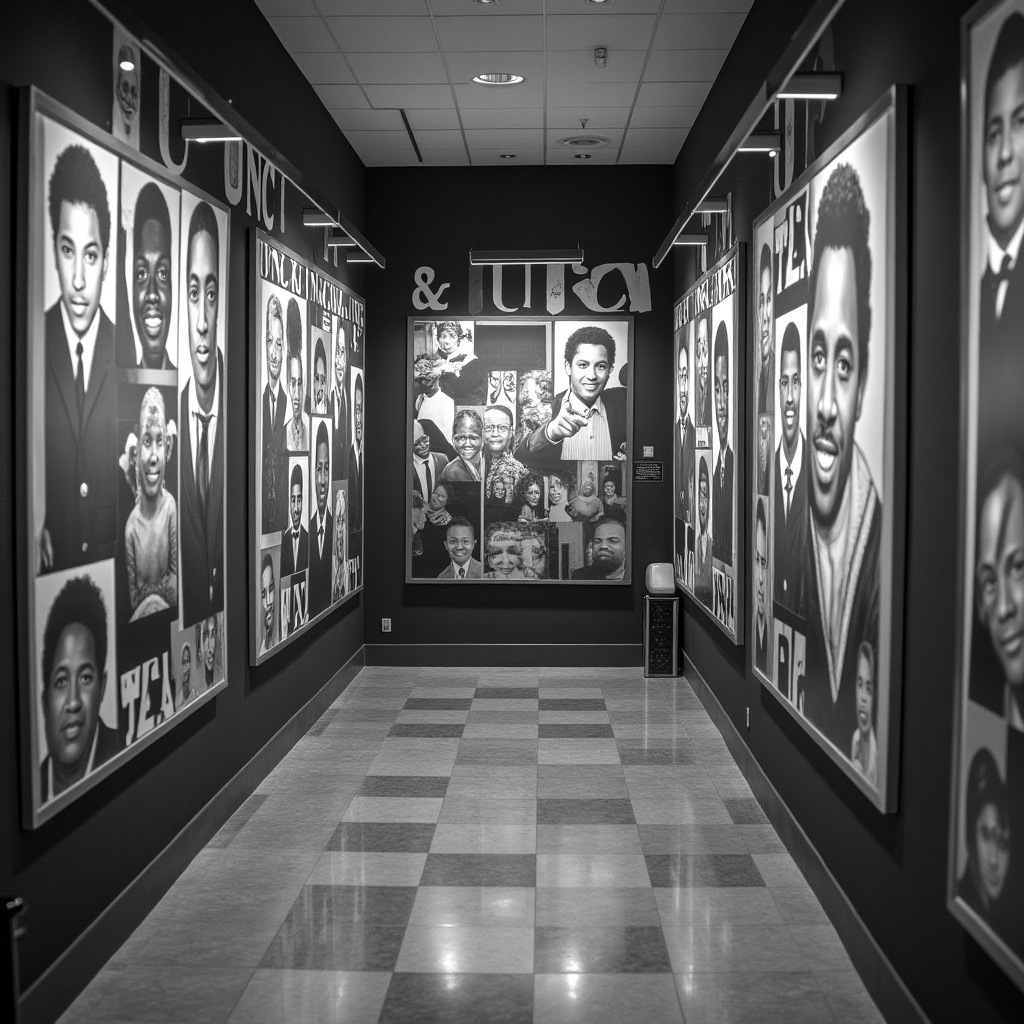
798,459
456,567
996,251
88,341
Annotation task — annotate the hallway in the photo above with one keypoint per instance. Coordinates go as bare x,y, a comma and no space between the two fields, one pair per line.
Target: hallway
478,845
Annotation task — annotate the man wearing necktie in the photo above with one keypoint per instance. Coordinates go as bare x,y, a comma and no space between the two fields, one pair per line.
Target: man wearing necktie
1001,315
295,543
321,532
790,522
201,521
80,439
721,502
426,465
275,413
355,460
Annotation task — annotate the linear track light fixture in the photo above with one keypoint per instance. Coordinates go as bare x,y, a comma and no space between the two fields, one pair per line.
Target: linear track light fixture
812,86
761,142
518,257
358,256
712,205
340,240
686,238
207,129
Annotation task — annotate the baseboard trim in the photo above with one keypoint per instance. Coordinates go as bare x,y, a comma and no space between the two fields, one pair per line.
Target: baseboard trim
56,988
887,988
507,655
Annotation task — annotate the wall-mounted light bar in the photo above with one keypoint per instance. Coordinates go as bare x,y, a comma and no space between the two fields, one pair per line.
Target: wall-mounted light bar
317,219
690,238
761,142
712,206
500,257
339,240
207,129
813,86
358,256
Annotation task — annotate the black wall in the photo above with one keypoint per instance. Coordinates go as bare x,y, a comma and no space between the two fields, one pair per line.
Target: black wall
433,217
73,867
893,867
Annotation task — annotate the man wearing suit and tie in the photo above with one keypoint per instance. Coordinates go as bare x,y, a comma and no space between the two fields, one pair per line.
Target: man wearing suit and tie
721,503
295,543
702,552
1001,358
685,451
459,539
81,396
790,522
275,413
355,461
339,405
201,519
426,465
321,531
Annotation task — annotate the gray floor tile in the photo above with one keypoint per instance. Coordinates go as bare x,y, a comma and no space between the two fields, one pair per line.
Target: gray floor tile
517,781
383,837
394,808
798,905
373,868
575,731
426,730
470,809
778,869
718,947
752,998
474,906
821,946
762,839
561,703
703,869
584,812
324,997
477,730
684,839
601,870
506,693
466,950
480,869
631,950
745,811
485,838
735,906
438,704
497,752
581,782
655,755
573,718
404,785
577,752
605,999
596,908
459,999
848,998
621,839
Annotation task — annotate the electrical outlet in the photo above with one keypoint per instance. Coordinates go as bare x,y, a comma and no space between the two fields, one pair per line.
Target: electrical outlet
748,718
385,627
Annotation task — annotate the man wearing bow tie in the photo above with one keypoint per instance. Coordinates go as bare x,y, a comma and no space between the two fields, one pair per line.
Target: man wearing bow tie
321,532
295,543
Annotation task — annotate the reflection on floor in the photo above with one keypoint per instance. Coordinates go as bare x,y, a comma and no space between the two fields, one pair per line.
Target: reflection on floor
487,845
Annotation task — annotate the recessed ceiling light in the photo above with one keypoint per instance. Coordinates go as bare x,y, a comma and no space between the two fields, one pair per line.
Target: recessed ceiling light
487,3
127,65
597,3
584,141
506,156
581,156
498,78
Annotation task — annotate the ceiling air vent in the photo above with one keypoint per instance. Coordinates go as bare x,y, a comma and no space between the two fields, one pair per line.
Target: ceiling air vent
584,141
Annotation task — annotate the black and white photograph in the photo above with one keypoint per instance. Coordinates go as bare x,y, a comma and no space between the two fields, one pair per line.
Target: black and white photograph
113,503
127,79
823,517
306,433
986,859
708,441
519,443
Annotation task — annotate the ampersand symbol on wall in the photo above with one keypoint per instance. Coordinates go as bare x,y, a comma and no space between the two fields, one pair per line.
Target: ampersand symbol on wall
422,296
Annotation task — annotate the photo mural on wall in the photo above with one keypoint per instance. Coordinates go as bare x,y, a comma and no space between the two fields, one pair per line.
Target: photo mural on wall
986,842
124,392
708,442
826,479
306,416
518,458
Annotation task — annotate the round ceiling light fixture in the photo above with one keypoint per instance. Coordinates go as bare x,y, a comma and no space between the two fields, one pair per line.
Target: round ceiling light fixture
487,3
595,3
498,78
127,65
506,156
584,141
581,156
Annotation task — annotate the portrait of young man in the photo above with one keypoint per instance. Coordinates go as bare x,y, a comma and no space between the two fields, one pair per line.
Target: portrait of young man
80,521
268,604
427,466
702,408
319,398
275,415
686,439
355,458
321,533
845,509
73,682
295,543
702,544
297,428
459,541
721,503
765,333
588,419
339,409
762,639
790,522
201,519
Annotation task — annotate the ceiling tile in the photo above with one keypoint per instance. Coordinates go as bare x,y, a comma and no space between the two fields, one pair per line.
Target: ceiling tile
527,94
398,68
335,96
619,7
500,117
365,35
282,8
444,8
483,138
561,155
485,157
613,135
653,145
684,65
584,94
707,6
392,8
380,141
434,140
368,120
673,94
464,65
428,120
388,158
597,117
663,117
505,32
578,65
584,32
303,34
446,158
697,31
323,67
429,96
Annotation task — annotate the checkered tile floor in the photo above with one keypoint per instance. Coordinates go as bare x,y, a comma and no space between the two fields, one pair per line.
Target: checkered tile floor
487,845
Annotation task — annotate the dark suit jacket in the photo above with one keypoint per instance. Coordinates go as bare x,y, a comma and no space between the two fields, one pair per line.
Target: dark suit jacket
318,594
355,490
339,439
702,571
81,456
437,464
288,561
544,456
792,550
275,463
1001,364
588,572
761,649
108,743
202,538
474,571
685,454
469,387
721,509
